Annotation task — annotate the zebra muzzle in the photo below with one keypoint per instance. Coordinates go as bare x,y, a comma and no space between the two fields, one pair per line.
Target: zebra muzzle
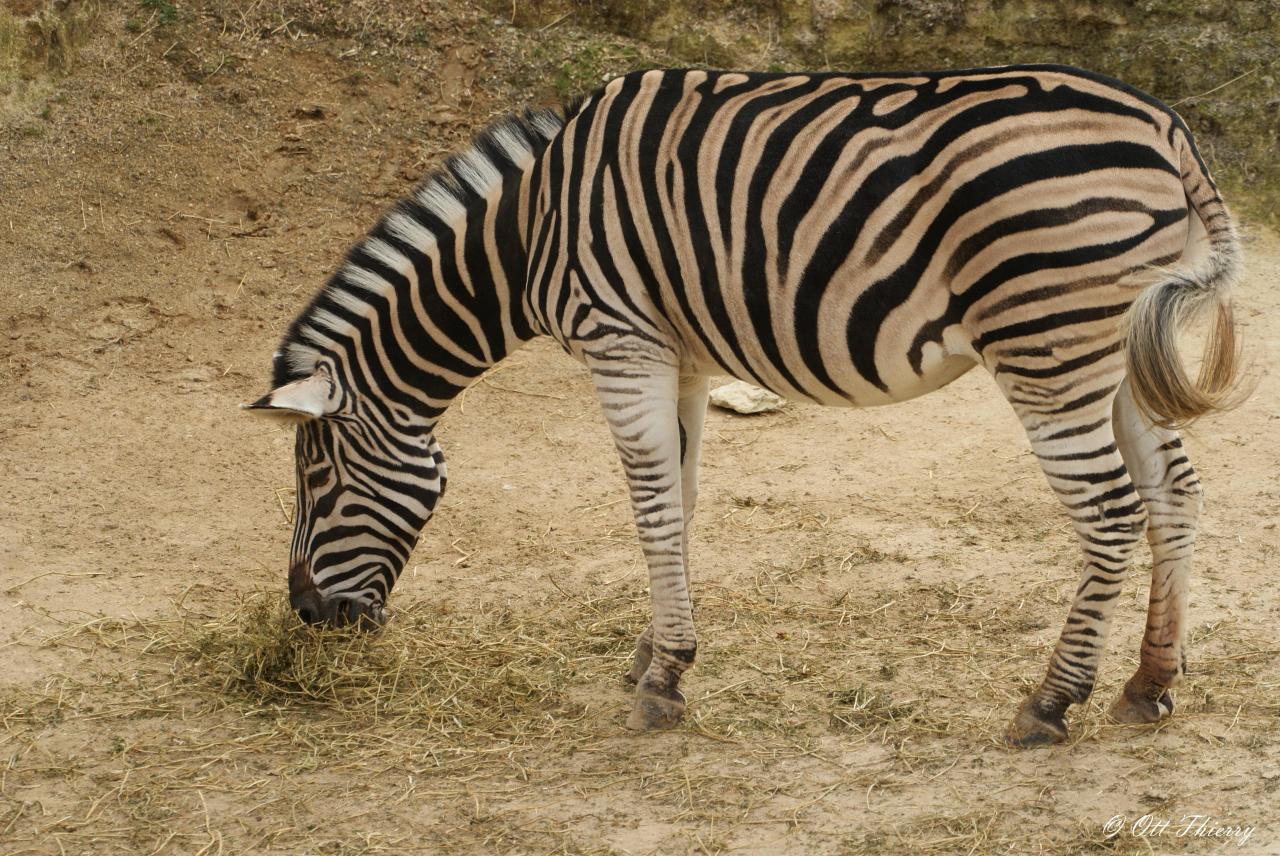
337,611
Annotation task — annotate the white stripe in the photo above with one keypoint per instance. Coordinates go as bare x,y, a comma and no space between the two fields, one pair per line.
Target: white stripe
477,172
364,278
388,255
439,201
547,123
513,145
353,303
410,231
300,358
325,318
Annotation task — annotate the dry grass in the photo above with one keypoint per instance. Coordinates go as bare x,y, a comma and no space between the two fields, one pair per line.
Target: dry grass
453,721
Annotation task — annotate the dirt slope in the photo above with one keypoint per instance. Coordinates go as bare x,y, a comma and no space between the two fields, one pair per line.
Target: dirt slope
876,589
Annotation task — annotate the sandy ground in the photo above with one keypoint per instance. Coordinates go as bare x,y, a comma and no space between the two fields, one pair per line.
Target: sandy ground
876,589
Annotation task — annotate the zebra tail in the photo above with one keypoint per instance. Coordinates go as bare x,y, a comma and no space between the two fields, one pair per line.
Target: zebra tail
1159,380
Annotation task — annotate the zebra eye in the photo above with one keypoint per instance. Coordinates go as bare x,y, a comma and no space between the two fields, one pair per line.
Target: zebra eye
316,478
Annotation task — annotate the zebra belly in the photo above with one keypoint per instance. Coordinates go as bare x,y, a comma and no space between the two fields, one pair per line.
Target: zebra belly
940,364
935,376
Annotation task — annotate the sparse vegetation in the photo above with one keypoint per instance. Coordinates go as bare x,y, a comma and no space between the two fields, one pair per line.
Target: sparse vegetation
165,11
463,697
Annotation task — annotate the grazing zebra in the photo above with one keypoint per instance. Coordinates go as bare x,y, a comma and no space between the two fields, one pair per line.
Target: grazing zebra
845,239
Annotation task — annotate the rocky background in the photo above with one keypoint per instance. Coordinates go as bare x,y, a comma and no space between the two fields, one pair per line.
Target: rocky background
1216,61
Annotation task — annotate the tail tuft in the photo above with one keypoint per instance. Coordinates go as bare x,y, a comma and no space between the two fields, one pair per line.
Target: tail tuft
1160,383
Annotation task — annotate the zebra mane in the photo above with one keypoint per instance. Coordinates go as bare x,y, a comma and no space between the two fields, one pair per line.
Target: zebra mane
502,149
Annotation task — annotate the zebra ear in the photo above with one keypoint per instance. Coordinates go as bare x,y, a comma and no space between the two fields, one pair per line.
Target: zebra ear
310,398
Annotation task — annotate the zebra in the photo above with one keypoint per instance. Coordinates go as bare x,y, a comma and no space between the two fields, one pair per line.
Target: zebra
848,239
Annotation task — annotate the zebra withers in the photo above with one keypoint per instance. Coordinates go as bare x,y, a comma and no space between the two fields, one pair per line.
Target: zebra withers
846,239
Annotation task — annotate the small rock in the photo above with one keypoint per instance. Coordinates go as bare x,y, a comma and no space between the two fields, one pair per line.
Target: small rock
193,378
1155,796
742,397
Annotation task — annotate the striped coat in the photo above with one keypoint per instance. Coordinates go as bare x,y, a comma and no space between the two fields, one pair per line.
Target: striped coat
844,239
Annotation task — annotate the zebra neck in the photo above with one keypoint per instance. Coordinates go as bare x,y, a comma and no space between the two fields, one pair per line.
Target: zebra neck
462,308
435,294
429,300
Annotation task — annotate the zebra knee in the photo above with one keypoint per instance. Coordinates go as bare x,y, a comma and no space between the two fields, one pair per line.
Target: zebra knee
1118,521
1133,523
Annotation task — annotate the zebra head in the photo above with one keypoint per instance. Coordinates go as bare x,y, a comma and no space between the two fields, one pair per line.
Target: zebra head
368,480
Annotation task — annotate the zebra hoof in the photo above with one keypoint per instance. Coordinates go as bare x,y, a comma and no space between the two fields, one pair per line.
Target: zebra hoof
654,712
1134,707
1033,727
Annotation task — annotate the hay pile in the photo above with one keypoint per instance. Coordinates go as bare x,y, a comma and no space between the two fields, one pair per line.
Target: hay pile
196,732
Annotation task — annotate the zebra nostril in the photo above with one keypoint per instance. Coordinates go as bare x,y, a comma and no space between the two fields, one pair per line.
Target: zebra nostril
351,612
307,605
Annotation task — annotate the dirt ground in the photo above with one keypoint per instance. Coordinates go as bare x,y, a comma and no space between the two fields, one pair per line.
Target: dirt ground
875,589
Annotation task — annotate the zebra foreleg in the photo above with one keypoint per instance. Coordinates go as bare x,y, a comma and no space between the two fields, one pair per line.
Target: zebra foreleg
1173,497
640,404
1083,464
691,411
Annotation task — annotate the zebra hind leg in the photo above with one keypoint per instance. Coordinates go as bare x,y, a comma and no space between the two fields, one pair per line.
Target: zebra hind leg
1173,497
1078,453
